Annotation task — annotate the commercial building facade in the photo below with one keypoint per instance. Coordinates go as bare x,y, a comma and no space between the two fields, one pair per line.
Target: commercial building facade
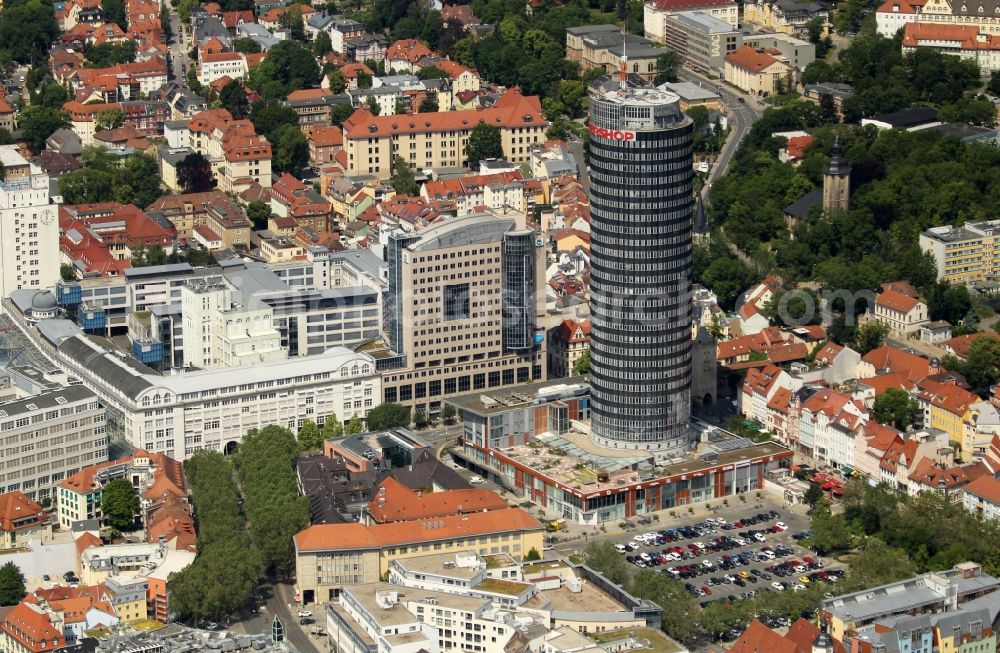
964,254
656,12
464,298
640,204
702,39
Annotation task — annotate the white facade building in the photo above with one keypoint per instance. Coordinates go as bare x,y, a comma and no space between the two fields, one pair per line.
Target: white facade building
29,226
48,431
179,413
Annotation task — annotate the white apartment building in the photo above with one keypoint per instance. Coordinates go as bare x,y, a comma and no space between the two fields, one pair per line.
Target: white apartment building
177,414
982,497
655,13
29,226
48,434
221,64
904,315
407,620
226,328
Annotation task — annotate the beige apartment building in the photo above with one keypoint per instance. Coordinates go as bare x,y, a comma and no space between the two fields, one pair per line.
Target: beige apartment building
463,309
758,72
966,253
438,140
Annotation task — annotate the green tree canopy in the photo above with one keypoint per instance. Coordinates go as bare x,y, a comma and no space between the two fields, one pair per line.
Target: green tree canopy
194,173
604,558
258,212
667,65
37,122
485,142
582,364
120,504
402,179
896,408
291,149
233,98
679,611
388,415
354,426
12,588
310,436
109,119
27,29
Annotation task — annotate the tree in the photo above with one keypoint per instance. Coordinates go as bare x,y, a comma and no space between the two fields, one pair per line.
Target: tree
354,426
485,142
246,45
400,106
234,99
879,564
829,531
115,12
387,416
258,213
291,149
322,45
364,80
582,364
194,173
337,81
667,65
37,123
429,104
109,119
813,494
870,336
532,555
679,612
605,559
373,105
110,54
994,84
332,427
402,179
27,29
431,72
948,302
310,436
897,408
67,272
339,113
12,588
292,21
120,504
980,367
269,117
448,414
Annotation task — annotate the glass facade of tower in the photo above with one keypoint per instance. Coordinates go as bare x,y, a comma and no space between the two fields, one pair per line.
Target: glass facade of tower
519,290
641,210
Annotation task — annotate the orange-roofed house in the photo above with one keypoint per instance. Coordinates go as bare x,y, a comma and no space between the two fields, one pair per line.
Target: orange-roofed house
462,77
967,419
890,360
215,64
324,144
438,140
351,71
969,42
931,475
759,386
875,440
79,609
567,344
405,55
750,305
893,15
959,345
756,71
982,496
904,315
394,502
795,149
330,556
27,628
22,519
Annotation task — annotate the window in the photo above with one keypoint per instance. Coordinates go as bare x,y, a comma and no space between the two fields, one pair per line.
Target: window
456,301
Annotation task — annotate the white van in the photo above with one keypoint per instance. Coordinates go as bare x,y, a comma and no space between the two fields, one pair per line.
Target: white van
620,548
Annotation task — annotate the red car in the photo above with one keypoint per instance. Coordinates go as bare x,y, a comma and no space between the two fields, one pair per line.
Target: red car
708,592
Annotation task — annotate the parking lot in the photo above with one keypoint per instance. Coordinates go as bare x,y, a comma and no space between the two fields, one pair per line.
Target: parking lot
718,559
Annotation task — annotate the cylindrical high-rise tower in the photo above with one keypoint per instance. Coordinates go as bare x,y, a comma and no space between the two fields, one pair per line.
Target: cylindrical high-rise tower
640,240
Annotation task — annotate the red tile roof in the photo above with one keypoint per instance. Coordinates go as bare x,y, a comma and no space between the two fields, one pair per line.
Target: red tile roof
912,367
901,6
896,301
966,37
326,537
574,331
758,638
688,5
32,629
797,145
749,59
18,511
947,396
409,50
960,344
395,502
331,136
928,473
511,110
985,487
883,382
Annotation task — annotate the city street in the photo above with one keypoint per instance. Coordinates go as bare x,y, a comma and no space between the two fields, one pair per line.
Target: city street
282,604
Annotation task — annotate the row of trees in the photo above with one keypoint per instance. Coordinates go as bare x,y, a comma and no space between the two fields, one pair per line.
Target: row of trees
927,532
276,512
381,418
106,178
223,577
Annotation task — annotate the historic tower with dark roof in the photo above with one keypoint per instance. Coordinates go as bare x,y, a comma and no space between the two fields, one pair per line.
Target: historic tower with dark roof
836,181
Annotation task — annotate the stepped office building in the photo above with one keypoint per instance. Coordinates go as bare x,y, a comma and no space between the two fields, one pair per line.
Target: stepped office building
641,202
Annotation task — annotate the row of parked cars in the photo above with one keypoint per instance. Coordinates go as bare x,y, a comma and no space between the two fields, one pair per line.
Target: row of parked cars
701,530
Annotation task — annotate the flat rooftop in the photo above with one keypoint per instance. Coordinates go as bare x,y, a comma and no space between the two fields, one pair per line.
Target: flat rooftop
435,564
646,639
589,599
498,401
575,460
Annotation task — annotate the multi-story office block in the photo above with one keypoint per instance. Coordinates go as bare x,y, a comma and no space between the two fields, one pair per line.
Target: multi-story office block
640,338
47,433
29,226
462,308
